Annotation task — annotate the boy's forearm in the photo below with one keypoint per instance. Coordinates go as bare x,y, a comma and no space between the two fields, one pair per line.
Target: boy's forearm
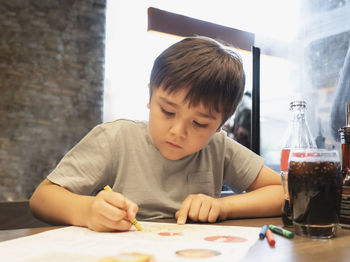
56,205
262,202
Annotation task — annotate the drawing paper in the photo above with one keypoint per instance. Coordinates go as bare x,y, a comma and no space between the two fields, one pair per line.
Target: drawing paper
163,242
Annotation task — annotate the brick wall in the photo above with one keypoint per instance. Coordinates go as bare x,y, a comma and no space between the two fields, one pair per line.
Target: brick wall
51,85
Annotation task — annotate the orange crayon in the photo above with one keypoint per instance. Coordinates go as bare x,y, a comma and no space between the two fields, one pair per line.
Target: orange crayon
270,237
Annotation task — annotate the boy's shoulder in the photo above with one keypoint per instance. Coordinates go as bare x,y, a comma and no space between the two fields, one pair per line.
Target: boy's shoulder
219,137
122,122
123,126
222,141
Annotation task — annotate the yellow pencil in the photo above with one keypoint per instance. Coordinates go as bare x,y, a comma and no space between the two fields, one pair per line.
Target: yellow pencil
134,221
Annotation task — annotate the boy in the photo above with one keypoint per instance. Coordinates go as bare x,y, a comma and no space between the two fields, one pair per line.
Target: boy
175,164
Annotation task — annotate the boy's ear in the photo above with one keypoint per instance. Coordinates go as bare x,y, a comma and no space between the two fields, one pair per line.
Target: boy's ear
148,106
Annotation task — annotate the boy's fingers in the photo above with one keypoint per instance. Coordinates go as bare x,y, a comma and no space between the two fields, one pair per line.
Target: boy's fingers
204,210
132,209
213,214
113,213
122,225
109,225
182,213
119,206
115,199
196,205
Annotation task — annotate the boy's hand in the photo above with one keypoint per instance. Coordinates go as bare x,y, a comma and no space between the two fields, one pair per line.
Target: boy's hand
111,211
202,208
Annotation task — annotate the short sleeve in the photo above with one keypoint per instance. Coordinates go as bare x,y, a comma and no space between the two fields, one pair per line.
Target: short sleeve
87,166
241,166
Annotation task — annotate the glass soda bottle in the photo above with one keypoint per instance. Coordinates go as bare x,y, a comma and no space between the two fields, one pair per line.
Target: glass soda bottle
298,136
344,216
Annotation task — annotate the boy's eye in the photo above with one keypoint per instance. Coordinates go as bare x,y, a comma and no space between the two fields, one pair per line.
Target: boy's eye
167,112
199,124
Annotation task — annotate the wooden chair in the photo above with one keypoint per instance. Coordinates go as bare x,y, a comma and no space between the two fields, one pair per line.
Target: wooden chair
16,215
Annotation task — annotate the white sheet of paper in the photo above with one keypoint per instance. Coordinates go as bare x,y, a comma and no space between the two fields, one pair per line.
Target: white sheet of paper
164,241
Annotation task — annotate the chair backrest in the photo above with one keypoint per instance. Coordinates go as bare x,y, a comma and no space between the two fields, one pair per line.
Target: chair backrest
16,215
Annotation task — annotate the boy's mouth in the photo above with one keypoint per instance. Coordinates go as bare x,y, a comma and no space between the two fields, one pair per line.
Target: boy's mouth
173,145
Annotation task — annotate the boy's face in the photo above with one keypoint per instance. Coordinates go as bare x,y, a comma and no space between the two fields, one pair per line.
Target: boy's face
177,129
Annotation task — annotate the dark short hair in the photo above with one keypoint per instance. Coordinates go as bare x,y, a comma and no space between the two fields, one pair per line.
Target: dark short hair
211,73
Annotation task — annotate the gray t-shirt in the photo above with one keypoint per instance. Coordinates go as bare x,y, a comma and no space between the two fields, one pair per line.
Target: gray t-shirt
122,154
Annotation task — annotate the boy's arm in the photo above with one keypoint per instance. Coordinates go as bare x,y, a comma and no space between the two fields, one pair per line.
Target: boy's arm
264,198
108,211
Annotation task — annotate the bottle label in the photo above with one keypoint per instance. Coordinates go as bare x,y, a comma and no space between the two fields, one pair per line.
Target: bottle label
344,217
284,159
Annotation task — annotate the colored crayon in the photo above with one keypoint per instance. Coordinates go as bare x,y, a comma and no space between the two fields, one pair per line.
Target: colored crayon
262,233
270,237
134,221
281,231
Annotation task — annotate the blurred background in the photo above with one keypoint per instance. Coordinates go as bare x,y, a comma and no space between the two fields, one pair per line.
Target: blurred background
66,66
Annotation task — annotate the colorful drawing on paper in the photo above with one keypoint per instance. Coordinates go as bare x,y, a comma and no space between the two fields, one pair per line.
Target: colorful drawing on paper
197,253
226,239
170,234
164,227
129,257
166,230
188,231
161,242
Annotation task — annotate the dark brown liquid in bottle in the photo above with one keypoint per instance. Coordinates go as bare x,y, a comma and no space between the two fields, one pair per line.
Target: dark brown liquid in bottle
344,216
345,148
287,214
315,191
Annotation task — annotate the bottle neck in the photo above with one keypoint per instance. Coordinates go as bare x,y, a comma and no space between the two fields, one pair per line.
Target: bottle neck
345,141
299,135
345,135
298,113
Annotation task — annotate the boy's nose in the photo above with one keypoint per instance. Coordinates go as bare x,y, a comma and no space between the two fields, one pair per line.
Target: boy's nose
178,129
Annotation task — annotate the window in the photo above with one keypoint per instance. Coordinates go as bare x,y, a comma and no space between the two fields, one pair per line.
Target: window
302,54
131,50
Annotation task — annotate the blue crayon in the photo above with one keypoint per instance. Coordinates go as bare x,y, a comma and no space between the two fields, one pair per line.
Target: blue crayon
262,233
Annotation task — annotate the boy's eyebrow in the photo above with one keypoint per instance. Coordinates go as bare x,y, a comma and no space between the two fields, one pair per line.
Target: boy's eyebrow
176,105
206,115
168,102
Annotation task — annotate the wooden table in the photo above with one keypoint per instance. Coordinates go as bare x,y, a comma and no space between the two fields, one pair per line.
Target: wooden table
298,249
